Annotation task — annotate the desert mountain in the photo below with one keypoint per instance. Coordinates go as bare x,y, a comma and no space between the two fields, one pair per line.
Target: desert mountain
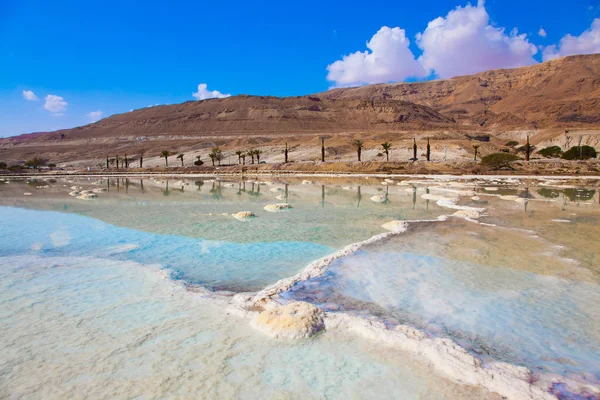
557,93
546,98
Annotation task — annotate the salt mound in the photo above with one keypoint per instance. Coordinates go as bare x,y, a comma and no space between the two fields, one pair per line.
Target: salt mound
74,193
87,196
243,215
380,198
277,189
278,207
395,226
384,183
229,185
509,197
490,189
291,321
467,214
26,194
99,190
280,197
307,182
388,180
86,192
76,188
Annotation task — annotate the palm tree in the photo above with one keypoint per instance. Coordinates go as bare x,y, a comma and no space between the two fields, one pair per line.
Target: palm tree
322,148
428,151
126,161
528,148
243,155
257,153
141,159
239,154
415,149
476,147
216,155
165,154
106,162
251,154
117,158
359,145
285,152
387,146
180,157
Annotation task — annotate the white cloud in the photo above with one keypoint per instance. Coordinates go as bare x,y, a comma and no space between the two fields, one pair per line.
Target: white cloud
586,43
95,115
29,95
55,104
464,43
542,32
387,59
203,93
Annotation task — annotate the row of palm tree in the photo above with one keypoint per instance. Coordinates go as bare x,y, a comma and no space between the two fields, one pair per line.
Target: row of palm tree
386,147
124,162
250,153
216,154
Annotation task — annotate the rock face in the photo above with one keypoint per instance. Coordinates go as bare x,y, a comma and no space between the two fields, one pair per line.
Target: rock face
278,207
290,321
244,215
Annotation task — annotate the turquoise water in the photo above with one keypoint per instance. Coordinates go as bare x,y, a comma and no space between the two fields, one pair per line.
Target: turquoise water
215,264
545,323
85,310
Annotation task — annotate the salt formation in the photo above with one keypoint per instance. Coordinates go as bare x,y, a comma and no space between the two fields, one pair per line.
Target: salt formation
277,189
379,198
278,207
290,321
305,182
74,193
99,190
87,196
395,226
243,215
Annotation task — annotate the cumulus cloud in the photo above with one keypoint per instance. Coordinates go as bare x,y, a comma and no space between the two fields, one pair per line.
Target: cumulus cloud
203,93
586,43
29,95
95,115
387,59
542,32
55,104
464,42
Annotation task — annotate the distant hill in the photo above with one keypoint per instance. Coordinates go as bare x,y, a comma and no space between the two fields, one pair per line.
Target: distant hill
555,95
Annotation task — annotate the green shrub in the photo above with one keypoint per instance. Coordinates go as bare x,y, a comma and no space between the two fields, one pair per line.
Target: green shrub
498,160
512,143
586,152
551,152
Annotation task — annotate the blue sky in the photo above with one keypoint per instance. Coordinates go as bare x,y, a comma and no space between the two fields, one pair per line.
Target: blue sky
114,56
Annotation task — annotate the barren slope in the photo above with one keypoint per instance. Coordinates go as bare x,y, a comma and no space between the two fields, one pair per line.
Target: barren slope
562,92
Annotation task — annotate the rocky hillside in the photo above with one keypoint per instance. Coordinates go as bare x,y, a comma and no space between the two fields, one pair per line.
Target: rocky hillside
543,100
559,93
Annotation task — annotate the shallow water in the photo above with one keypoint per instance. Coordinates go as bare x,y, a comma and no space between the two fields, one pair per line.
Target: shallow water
91,306
545,323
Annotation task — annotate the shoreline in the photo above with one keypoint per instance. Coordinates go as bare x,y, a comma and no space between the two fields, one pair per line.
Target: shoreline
449,176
